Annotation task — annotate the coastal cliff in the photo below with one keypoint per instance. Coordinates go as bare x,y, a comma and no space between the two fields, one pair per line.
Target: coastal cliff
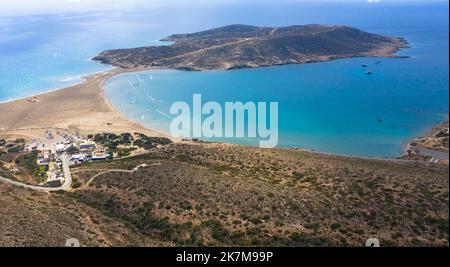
432,146
243,46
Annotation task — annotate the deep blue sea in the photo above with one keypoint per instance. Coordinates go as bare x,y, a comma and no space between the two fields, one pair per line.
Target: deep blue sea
330,107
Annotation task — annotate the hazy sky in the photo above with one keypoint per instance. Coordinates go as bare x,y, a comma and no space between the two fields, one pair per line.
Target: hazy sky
14,7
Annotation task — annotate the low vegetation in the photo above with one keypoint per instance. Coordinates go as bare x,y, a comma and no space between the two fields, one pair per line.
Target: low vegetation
122,145
210,194
220,195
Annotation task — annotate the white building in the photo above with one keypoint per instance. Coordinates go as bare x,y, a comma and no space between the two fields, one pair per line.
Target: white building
60,148
78,157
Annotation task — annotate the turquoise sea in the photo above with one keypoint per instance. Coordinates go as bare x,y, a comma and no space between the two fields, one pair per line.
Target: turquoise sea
331,107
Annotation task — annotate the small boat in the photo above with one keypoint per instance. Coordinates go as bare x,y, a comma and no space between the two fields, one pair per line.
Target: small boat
380,120
364,65
369,72
378,62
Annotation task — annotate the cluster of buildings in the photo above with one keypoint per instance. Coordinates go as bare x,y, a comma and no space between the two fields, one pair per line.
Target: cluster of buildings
48,161
86,151
49,154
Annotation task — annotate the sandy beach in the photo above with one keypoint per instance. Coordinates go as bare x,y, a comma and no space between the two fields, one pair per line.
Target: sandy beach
82,109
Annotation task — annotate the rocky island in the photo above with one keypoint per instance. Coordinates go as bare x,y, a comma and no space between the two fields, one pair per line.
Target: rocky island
243,46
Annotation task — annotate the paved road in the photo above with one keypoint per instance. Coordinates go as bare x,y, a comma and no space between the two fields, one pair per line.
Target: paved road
67,176
67,182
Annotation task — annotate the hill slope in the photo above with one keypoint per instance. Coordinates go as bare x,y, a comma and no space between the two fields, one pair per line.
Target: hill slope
242,46
200,194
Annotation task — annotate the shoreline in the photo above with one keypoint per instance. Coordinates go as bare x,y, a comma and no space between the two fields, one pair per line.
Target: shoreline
430,145
82,78
83,108
94,83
